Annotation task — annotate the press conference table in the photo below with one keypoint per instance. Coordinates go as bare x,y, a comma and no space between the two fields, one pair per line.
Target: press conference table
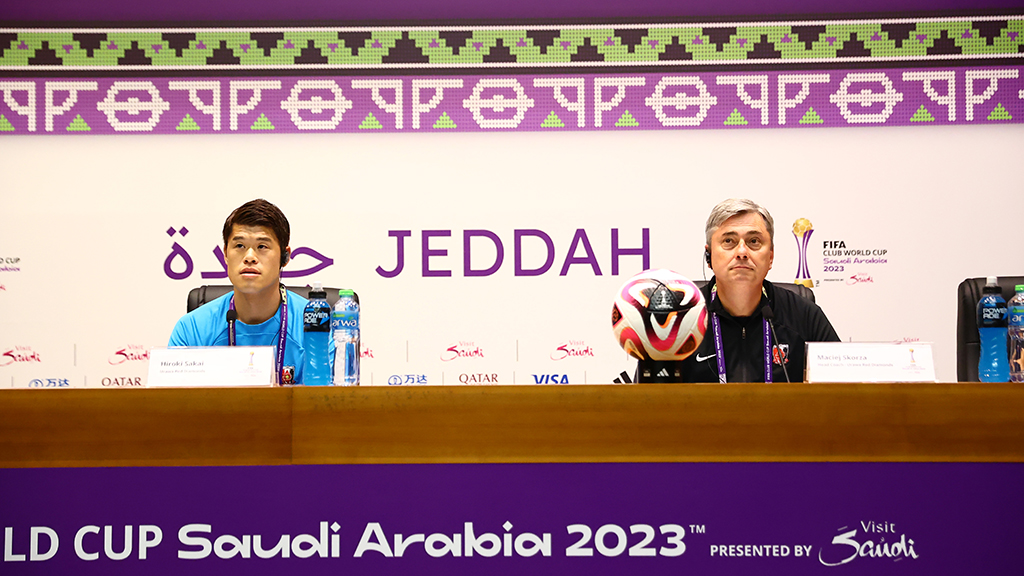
958,422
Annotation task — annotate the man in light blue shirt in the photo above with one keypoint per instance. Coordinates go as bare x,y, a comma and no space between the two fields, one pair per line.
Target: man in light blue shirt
256,248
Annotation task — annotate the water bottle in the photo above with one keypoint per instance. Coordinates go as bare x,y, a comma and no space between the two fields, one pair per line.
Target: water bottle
1015,326
316,331
345,323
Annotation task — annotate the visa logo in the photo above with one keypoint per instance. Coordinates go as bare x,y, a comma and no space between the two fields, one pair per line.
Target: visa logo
550,378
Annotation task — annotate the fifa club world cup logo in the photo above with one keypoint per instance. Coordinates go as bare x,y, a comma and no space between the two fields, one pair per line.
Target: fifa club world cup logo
802,230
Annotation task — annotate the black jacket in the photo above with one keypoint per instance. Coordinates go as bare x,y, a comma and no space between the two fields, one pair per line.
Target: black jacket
797,321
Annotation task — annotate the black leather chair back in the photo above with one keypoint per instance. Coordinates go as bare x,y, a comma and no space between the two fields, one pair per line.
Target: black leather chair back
968,341
798,289
206,293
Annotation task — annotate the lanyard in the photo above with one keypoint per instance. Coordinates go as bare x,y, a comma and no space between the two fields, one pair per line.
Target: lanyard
720,350
282,333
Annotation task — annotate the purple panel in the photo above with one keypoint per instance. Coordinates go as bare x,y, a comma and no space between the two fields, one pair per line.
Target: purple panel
952,518
618,102
351,10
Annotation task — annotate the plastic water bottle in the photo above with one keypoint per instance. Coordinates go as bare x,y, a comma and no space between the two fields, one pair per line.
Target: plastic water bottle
345,323
992,366
316,331
1015,326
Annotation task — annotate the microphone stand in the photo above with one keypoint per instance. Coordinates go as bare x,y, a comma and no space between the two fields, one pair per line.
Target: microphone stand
769,315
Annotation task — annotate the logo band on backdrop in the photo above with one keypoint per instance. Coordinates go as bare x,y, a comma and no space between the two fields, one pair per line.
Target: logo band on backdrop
551,77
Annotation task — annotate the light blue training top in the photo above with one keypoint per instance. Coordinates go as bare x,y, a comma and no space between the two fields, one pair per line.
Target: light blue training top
208,326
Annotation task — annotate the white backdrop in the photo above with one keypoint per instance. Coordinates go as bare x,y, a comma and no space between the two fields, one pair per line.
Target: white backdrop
84,234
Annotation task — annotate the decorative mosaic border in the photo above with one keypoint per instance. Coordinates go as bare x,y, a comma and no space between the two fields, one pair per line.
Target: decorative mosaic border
647,101
213,49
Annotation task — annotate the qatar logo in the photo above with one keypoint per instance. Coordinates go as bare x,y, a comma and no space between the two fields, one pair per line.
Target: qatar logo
478,378
802,230
122,381
130,353
19,354
461,350
880,540
572,349
365,352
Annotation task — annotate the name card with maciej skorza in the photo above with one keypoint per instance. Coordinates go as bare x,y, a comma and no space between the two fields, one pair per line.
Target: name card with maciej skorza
869,362
211,366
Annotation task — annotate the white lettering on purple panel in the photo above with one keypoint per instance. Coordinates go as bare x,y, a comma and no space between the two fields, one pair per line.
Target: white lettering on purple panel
193,87
681,101
866,97
805,81
438,85
316,104
72,88
498,103
741,82
236,109
578,106
949,76
620,84
375,87
133,106
29,108
993,77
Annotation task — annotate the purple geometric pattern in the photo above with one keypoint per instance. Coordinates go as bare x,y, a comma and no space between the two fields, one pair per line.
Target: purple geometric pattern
525,102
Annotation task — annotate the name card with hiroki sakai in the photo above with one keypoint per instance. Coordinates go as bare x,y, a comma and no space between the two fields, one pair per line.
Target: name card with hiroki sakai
869,362
211,366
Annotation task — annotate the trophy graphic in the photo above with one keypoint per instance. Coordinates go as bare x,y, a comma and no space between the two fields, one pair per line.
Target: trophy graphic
802,230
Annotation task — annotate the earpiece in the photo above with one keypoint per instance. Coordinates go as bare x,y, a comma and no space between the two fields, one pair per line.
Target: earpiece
707,257
285,256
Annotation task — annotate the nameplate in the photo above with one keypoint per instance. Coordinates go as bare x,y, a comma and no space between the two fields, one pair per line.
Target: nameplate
211,366
869,362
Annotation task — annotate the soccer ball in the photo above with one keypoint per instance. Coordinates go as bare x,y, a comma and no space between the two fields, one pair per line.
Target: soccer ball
659,315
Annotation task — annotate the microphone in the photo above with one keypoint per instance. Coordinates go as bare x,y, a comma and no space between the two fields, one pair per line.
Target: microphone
769,315
231,316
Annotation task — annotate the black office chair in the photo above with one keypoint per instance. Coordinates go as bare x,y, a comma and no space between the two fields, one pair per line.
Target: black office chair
968,341
206,293
798,289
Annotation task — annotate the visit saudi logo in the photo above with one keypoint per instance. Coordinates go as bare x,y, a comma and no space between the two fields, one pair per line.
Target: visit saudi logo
802,230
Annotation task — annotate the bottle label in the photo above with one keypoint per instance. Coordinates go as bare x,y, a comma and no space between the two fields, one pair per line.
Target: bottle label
992,316
345,320
316,319
994,313
1015,316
